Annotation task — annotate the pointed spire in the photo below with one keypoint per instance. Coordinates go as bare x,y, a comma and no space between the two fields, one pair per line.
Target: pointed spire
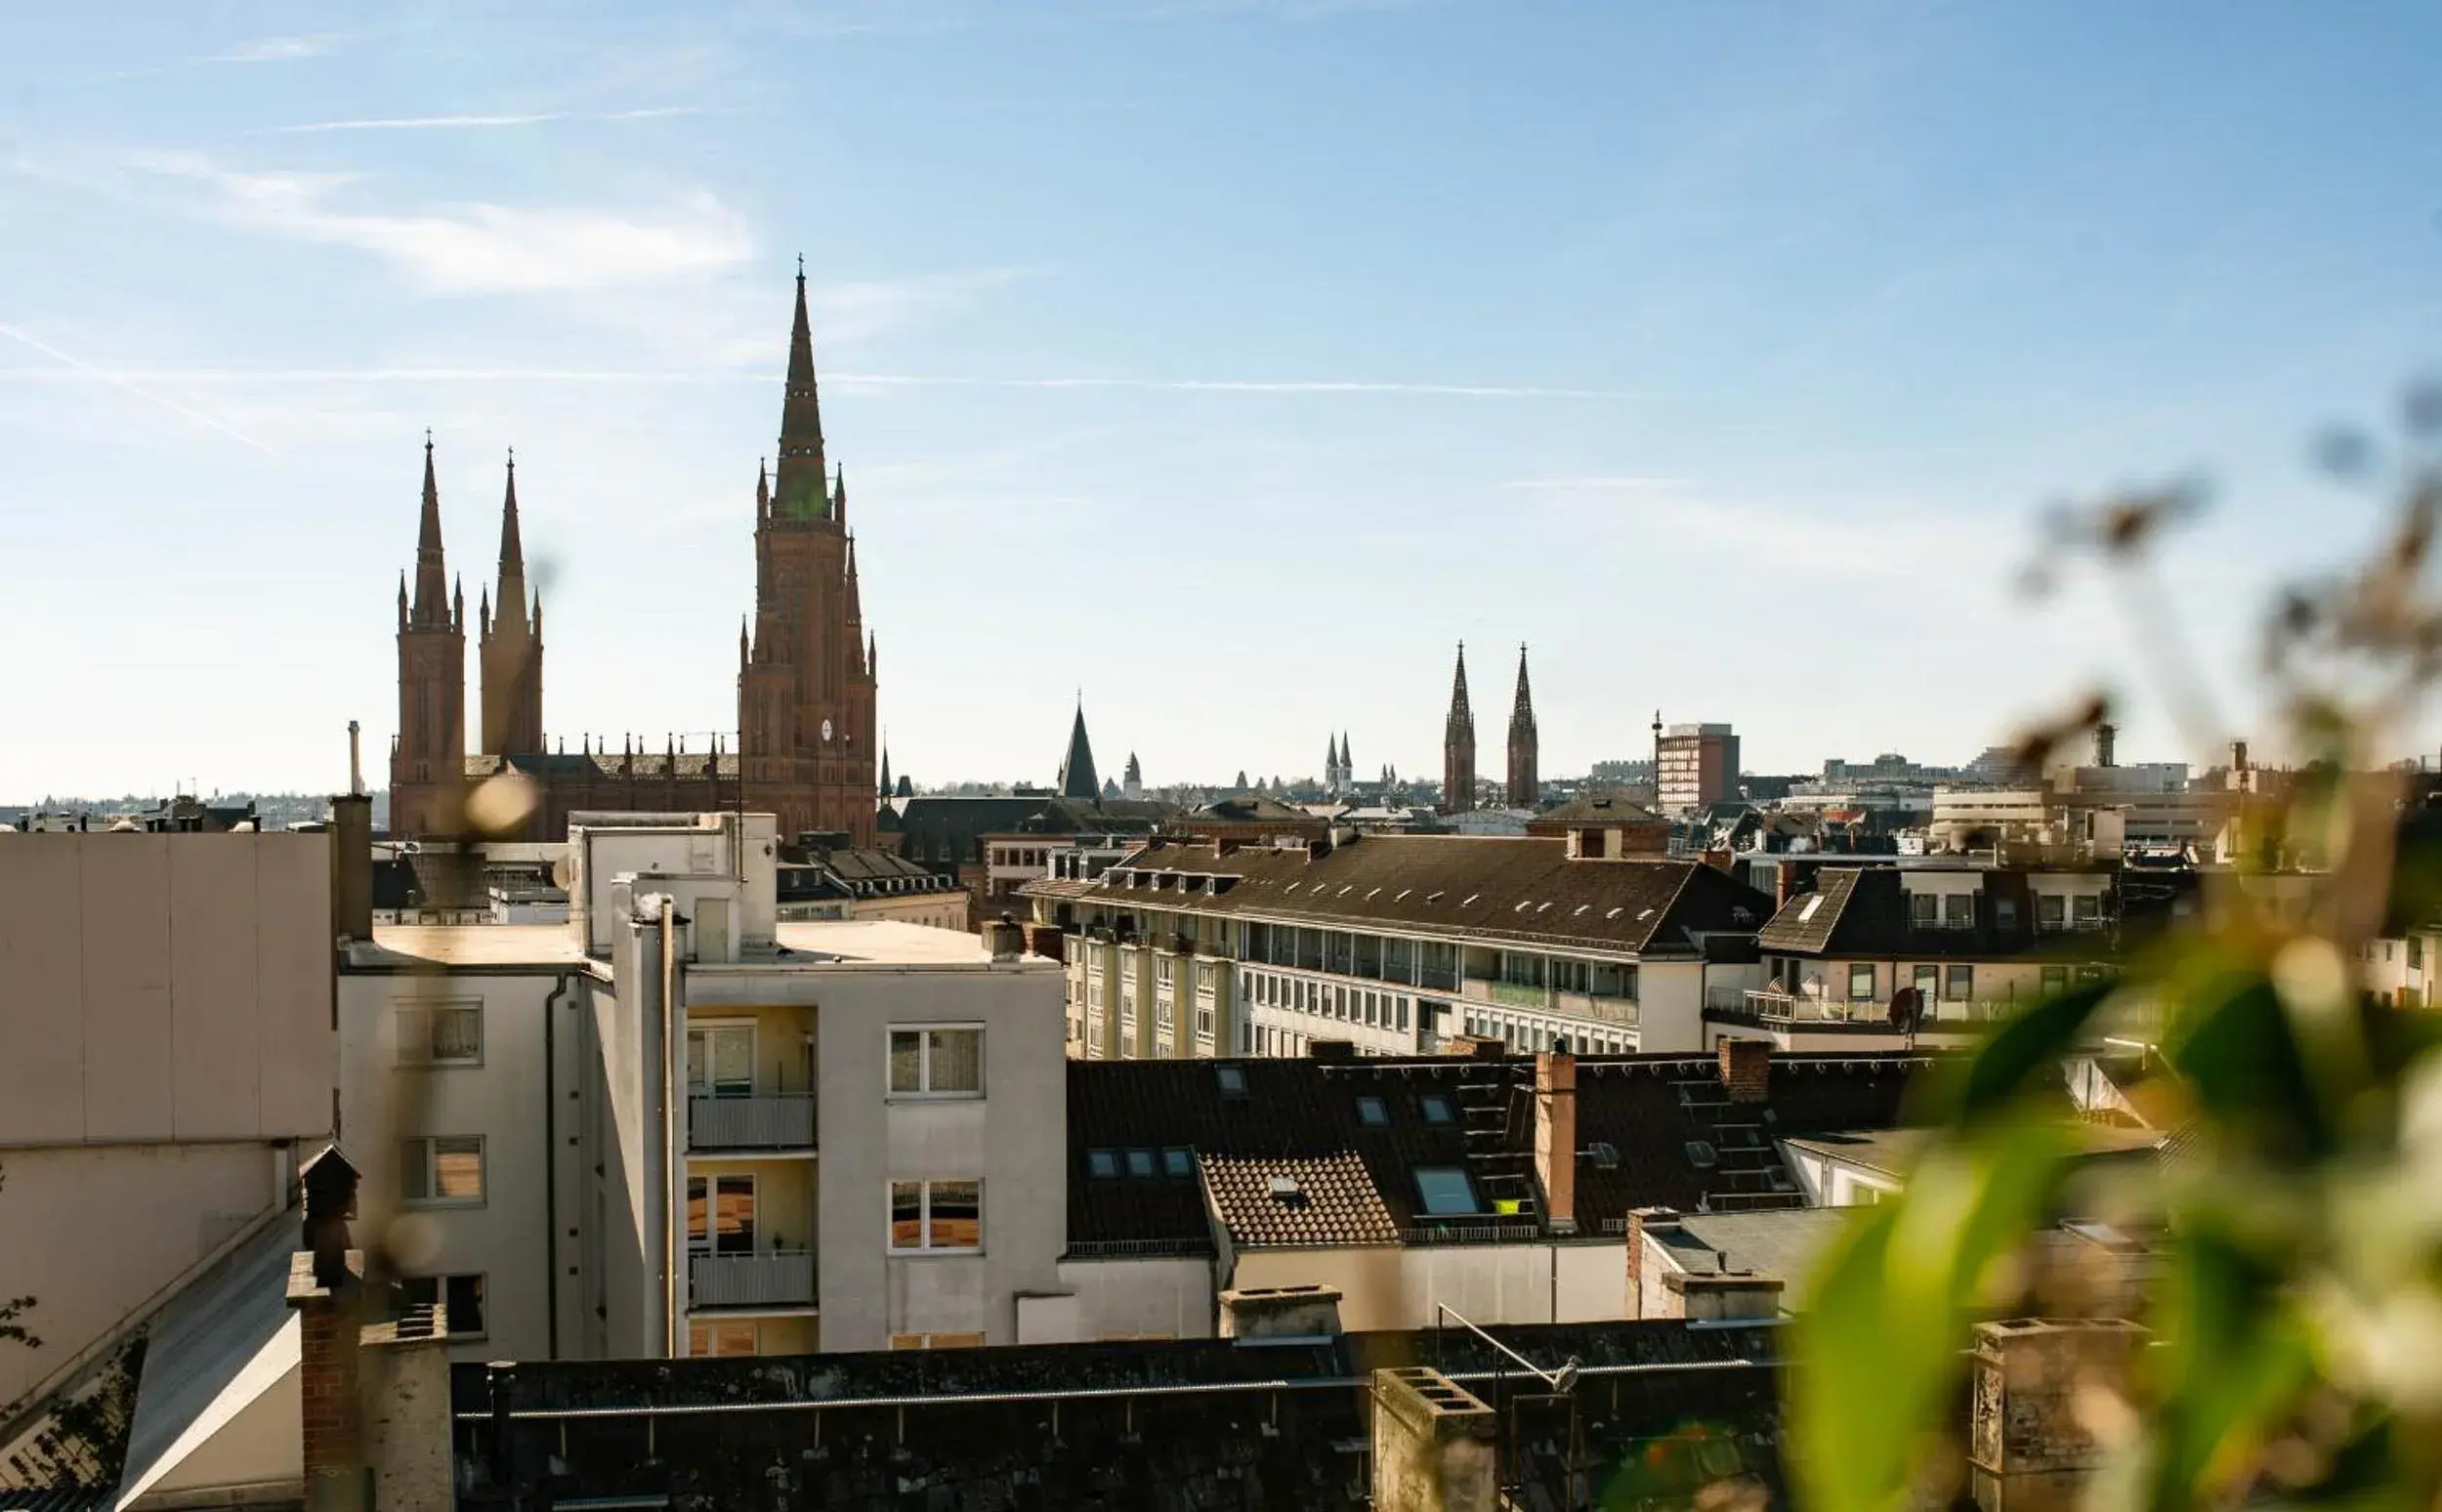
885,789
1522,707
512,551
873,655
402,598
839,492
743,642
457,602
1076,767
799,493
1459,710
432,575
763,491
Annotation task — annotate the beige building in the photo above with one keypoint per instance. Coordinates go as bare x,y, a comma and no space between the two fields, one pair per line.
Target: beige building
165,1043
682,1125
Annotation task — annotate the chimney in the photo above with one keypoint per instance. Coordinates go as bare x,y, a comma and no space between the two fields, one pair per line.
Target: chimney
1435,1444
2105,734
1046,941
407,1432
1747,1069
1556,1137
2029,1445
1003,938
2238,755
1641,1222
326,1289
352,866
1281,1315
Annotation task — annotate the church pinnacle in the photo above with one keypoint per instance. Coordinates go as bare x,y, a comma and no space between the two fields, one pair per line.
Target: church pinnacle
799,494
1525,792
1459,744
431,574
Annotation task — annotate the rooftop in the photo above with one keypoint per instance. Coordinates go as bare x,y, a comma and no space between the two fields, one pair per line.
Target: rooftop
558,946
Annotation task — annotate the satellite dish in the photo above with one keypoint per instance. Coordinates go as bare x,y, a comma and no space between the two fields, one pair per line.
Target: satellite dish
563,872
1906,1005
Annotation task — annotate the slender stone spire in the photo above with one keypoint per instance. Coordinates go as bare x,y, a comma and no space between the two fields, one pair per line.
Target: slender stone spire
512,592
839,493
1525,792
763,491
1076,767
431,574
1459,744
798,494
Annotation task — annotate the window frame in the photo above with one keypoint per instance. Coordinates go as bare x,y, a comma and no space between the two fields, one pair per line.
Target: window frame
1372,1111
710,1030
439,1283
924,1246
432,1168
1425,1200
924,1090
405,1010
1861,972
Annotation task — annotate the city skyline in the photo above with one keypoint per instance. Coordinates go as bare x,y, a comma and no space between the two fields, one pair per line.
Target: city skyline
1744,413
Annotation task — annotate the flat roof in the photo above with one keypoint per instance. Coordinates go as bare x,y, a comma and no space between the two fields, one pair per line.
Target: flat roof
467,945
809,943
887,942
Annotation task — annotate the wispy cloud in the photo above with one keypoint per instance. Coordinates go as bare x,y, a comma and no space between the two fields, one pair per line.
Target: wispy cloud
476,247
263,50
487,122
1346,386
122,382
1598,484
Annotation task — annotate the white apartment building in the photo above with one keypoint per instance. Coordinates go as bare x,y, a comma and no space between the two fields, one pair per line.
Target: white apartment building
1397,943
681,1125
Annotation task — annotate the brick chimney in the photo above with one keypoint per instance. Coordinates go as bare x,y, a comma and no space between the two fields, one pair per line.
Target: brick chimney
1003,938
2030,1449
1266,1315
326,1287
1556,1137
1747,1069
1641,1221
1436,1447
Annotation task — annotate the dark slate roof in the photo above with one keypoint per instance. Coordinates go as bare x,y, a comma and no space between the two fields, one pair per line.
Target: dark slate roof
1508,888
1861,911
603,767
1805,922
1600,808
1297,1199
1249,809
947,830
1669,1411
1109,816
1076,767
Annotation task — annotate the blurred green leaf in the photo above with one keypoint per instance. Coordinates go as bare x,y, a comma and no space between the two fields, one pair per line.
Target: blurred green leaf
2230,1038
2233,1358
2026,1049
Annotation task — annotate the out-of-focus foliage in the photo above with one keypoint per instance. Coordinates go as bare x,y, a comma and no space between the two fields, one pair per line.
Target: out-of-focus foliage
2296,1314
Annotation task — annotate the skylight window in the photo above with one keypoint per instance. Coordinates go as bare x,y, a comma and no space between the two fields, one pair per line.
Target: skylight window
1702,1156
1141,1164
1432,898
1102,1164
1233,1080
1178,1162
1471,897
1371,1113
1581,910
1808,911
1446,1190
1434,1106
1613,913
1604,1154
1372,895
1284,1189
1403,895
1542,907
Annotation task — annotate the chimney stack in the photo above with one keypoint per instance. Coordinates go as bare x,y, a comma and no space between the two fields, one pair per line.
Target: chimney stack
1556,1137
326,1287
1747,1069
2029,1445
2238,755
2105,735
1277,1314
1435,1444
1004,938
1641,1222
351,840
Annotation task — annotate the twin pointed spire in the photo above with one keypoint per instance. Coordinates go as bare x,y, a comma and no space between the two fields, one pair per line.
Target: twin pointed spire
432,573
1522,706
513,591
1459,713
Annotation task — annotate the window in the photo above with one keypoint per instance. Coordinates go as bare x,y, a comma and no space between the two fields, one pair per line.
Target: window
1178,1162
720,1215
442,1034
2052,911
1927,984
442,1168
1444,1190
1371,1113
1961,985
937,1061
1233,1080
2055,979
2415,953
1959,912
1102,1163
2005,914
721,1060
1861,982
728,1336
1141,1164
1434,1106
936,1216
1924,910
2086,909
460,1299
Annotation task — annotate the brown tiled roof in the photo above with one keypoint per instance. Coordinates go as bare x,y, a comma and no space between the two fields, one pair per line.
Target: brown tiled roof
1508,888
1805,922
1605,808
1297,1199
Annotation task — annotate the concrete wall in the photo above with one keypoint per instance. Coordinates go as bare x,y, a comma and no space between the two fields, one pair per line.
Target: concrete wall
686,863
1170,1297
512,1099
934,910
1398,1287
120,1028
1830,1182
94,1232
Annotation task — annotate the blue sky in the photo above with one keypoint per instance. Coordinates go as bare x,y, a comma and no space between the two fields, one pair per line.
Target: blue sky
1226,361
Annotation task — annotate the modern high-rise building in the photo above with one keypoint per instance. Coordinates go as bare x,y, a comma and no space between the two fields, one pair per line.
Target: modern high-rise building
1694,764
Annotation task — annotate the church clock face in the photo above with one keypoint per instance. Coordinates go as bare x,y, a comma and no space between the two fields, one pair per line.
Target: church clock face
826,729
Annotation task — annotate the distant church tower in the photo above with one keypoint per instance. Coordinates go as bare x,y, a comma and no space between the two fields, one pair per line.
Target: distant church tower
428,762
1458,745
512,646
1077,778
1524,791
1132,783
806,673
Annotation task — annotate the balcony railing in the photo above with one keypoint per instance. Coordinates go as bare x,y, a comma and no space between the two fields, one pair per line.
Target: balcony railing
1772,1006
781,1121
774,1278
1547,999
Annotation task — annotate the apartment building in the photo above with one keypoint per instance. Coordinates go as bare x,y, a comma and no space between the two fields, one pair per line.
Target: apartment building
1694,764
682,1125
1397,943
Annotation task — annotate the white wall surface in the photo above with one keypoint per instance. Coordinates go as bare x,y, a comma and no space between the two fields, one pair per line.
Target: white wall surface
1397,1287
1170,1297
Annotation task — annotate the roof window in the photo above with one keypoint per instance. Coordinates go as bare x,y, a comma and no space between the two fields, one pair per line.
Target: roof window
1581,910
1813,902
1403,895
1522,905
1434,1106
1604,1154
1471,897
1371,1113
1613,913
1285,1190
1102,1165
1233,1080
1141,1164
1178,1162
1701,1154
1444,1190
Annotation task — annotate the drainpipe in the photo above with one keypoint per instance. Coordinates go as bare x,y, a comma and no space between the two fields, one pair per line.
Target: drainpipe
551,1153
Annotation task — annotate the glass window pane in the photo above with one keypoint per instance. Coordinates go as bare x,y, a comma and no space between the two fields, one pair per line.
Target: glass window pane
959,1214
457,1034
1140,1162
1435,1108
415,1170
1371,1112
1102,1162
698,1198
1444,1190
907,1215
415,1034
732,1060
957,1060
733,1215
1962,984
466,1304
1178,1162
907,1060
458,1168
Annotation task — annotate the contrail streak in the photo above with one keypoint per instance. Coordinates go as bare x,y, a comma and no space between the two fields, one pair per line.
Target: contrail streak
141,393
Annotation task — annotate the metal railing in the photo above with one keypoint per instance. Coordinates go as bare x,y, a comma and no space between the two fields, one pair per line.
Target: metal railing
779,1121
1771,1006
774,1278
1146,1249
1469,1234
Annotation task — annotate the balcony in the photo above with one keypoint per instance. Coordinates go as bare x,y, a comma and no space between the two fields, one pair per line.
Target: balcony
782,1121
774,1278
1773,1008
1545,999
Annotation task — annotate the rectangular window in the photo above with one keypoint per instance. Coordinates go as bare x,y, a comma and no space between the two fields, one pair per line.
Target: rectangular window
720,1215
937,1061
726,1336
2005,914
460,1299
721,1060
2086,909
1959,911
442,1034
1444,1190
1928,984
937,1341
1861,982
2052,911
2415,953
935,1217
2055,979
1924,910
442,1168
1962,984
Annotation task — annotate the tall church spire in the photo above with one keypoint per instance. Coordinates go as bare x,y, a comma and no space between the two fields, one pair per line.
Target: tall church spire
512,596
1459,744
431,574
511,650
1525,792
1076,767
800,494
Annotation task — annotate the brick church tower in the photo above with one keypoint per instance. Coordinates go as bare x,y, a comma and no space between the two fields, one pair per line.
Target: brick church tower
1458,745
805,669
428,760
511,646
1525,792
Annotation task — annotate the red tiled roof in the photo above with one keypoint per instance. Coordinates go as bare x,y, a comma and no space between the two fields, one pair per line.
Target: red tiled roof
1297,1199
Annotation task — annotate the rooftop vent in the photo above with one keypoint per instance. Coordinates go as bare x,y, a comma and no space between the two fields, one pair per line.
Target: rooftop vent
1284,1189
